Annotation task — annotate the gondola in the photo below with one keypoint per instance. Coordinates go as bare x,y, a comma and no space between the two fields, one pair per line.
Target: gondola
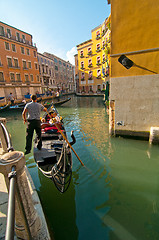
4,108
19,106
61,102
48,104
54,160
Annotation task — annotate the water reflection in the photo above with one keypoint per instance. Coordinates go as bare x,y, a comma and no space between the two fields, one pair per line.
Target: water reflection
116,196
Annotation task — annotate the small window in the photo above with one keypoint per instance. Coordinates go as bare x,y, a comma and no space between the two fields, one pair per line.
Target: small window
36,66
82,76
82,64
9,33
9,61
17,36
26,78
90,75
98,73
98,46
12,77
24,64
23,38
1,77
97,34
29,64
2,31
13,48
16,63
7,46
22,50
18,77
34,52
81,53
28,51
31,78
37,77
98,60
56,68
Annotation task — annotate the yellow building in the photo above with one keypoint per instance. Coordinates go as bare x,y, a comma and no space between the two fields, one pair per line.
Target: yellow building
134,87
93,60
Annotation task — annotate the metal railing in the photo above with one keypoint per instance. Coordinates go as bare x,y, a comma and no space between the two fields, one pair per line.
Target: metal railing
13,191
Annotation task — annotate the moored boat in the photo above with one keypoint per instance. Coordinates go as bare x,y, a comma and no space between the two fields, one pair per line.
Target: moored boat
59,103
54,160
4,108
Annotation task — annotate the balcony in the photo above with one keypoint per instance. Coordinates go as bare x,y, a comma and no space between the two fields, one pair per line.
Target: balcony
99,76
98,63
90,65
81,56
82,67
82,79
98,50
98,37
89,53
2,82
8,36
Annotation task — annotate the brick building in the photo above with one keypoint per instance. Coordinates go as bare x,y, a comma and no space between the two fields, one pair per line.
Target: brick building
56,73
19,71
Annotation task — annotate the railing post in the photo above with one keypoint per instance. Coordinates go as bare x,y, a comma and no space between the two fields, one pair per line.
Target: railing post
11,206
28,222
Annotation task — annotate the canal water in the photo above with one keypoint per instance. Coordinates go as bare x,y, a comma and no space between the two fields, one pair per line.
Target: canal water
115,196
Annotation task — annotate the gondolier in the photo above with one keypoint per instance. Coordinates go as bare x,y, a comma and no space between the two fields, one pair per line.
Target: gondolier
34,123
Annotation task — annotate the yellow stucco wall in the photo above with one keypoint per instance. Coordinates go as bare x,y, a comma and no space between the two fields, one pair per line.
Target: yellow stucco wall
135,91
134,28
97,82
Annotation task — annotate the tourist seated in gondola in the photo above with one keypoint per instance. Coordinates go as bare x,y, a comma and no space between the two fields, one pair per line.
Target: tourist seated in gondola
48,123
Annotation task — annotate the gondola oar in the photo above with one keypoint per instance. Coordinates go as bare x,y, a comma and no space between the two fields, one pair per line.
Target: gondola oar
66,139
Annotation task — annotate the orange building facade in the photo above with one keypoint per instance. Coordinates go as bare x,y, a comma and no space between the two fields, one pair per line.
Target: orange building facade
19,70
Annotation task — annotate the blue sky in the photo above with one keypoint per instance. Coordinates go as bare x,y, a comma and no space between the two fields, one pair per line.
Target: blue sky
56,26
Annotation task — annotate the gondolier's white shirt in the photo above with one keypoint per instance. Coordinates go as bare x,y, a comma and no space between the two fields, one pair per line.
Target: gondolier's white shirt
34,110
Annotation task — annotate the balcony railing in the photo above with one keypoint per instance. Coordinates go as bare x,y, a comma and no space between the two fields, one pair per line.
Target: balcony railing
98,50
21,40
90,53
97,37
99,76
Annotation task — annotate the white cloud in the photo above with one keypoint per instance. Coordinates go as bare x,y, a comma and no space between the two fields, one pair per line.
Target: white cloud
70,55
